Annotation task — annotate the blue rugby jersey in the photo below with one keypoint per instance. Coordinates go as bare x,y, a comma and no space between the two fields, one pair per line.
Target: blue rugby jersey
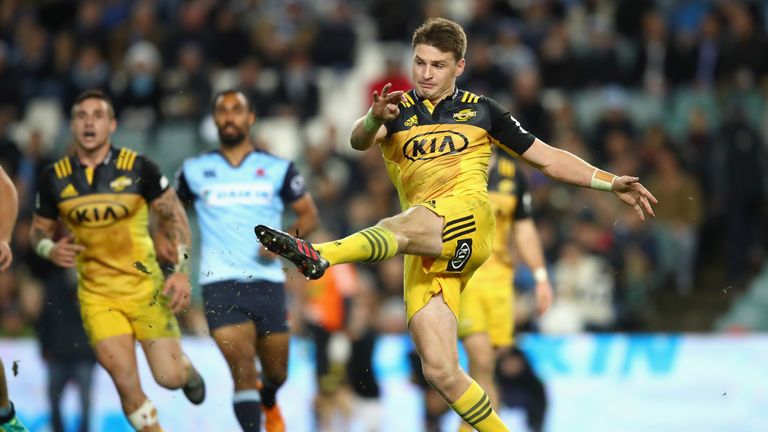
229,201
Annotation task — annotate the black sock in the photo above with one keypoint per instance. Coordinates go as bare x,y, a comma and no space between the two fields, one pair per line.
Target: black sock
268,394
248,410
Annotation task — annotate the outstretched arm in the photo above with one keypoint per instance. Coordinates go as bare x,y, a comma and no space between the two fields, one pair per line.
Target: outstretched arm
173,225
369,130
567,167
8,212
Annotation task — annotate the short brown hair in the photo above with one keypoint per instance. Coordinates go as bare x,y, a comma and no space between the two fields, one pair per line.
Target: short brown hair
94,94
443,34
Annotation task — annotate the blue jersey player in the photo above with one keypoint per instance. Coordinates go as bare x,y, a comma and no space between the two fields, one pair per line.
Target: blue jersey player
243,285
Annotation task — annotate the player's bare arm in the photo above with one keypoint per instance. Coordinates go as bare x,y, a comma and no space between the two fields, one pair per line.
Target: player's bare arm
369,129
63,252
306,216
8,213
172,224
528,245
569,168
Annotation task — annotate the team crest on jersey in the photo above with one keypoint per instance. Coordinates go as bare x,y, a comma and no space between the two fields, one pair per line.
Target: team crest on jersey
120,183
464,114
431,145
461,255
69,192
412,121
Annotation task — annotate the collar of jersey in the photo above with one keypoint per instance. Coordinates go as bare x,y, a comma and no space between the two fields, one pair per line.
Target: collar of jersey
242,162
106,160
447,98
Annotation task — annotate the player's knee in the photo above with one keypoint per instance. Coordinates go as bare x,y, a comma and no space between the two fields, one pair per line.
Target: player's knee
482,367
396,227
171,378
244,373
276,378
126,380
440,374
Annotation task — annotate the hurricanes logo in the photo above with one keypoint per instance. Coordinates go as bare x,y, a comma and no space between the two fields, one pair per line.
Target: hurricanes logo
97,214
412,121
120,183
464,114
431,145
461,255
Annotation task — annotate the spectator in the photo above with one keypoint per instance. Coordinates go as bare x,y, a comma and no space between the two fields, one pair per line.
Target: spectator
483,76
90,71
142,25
230,41
258,85
138,91
336,39
297,93
584,293
186,88
393,74
63,343
740,193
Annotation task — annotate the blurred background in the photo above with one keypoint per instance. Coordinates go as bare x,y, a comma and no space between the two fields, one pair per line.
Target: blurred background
651,321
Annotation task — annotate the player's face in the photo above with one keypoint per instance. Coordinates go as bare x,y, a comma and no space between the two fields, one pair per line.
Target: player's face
92,124
435,72
233,119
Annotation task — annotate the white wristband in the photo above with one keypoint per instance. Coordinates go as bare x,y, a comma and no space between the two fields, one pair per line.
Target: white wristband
602,180
44,248
540,275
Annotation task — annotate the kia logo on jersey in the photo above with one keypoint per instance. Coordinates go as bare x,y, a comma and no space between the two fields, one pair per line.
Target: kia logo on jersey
431,145
97,214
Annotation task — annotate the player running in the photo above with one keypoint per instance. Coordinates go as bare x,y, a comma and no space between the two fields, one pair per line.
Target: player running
106,197
486,316
9,422
436,140
243,287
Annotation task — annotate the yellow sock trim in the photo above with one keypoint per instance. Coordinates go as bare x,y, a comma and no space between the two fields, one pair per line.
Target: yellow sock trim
474,406
369,245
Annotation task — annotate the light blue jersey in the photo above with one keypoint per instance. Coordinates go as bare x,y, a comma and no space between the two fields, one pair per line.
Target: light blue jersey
229,201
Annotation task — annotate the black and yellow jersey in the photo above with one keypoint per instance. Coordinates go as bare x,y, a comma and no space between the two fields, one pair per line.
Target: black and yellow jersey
443,151
106,208
510,200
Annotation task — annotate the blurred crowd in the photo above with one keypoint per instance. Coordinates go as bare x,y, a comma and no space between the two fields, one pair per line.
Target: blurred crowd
670,91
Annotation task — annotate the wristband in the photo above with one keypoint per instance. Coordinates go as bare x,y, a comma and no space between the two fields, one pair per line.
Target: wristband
44,248
370,124
540,275
182,252
602,180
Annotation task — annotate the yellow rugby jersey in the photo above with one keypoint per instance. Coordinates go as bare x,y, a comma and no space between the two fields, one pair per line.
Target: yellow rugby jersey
510,200
106,208
442,151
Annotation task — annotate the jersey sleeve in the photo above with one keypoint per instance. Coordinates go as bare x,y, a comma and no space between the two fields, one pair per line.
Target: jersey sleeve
524,209
45,200
506,131
294,186
153,182
182,187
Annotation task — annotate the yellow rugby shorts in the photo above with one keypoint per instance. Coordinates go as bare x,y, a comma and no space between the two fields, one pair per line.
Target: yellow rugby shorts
487,305
145,315
468,228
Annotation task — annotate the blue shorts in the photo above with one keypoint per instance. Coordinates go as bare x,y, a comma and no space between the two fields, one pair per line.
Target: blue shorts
232,302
